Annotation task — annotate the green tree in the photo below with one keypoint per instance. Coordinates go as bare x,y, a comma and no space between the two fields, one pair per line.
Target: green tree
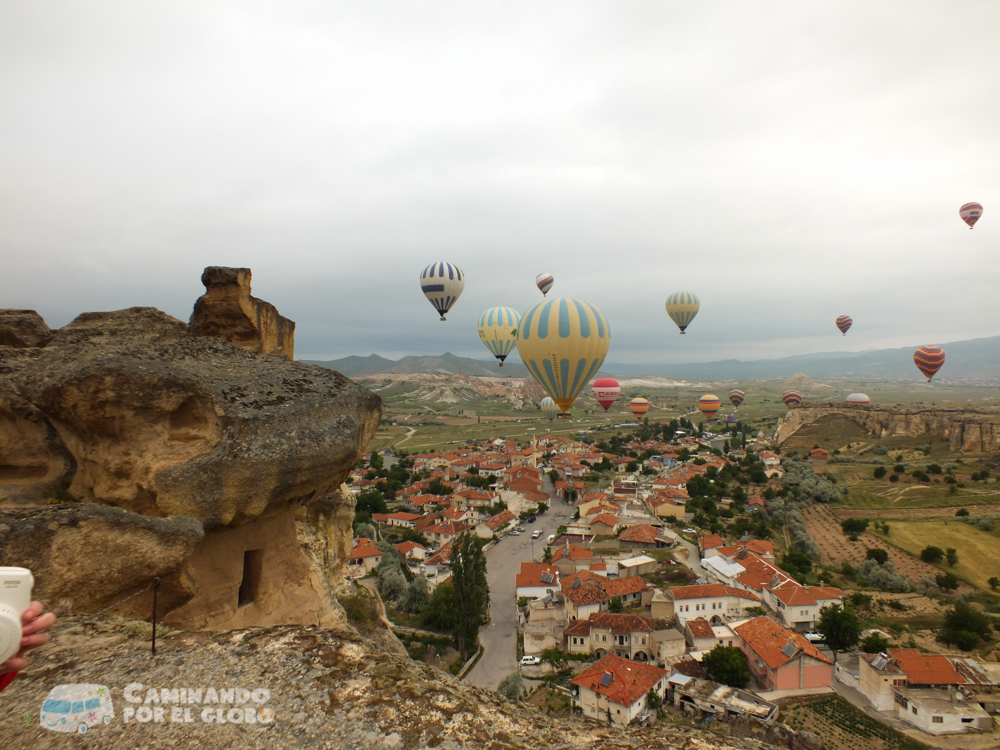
961,512
391,583
952,554
654,702
878,555
368,502
365,531
840,627
874,643
797,564
854,525
416,597
553,656
472,591
946,581
994,582
438,487
932,554
726,665
966,627
616,605
439,614
879,472
511,687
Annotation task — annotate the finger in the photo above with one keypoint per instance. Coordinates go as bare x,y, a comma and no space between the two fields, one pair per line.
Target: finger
34,609
14,664
39,623
33,641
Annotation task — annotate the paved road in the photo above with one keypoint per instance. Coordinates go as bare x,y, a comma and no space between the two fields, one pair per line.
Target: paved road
503,561
693,561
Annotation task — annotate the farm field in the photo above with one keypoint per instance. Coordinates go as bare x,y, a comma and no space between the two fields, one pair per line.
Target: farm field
978,551
835,547
842,726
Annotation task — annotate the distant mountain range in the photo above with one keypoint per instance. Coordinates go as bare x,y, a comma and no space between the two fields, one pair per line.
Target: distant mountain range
973,359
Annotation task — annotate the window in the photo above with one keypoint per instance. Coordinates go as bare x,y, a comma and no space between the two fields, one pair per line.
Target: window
914,709
252,566
899,683
900,700
937,719
966,721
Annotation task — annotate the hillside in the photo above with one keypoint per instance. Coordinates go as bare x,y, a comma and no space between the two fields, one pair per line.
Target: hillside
443,364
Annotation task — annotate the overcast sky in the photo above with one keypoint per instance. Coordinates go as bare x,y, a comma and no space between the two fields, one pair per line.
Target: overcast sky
787,162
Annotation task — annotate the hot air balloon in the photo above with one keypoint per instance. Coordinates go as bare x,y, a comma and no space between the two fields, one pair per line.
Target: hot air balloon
736,398
844,323
858,398
791,398
709,404
606,391
544,282
682,307
442,283
563,342
970,213
638,407
498,330
549,408
928,360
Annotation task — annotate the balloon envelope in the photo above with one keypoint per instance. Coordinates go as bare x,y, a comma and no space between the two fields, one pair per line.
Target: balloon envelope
709,404
638,407
606,391
970,213
498,330
563,343
844,323
928,360
736,397
682,307
544,282
442,283
859,398
792,398
549,408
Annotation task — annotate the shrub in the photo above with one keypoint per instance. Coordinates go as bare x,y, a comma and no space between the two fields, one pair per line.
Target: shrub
934,469
874,643
878,555
946,581
391,583
416,596
880,450
879,472
884,576
512,687
899,469
932,554
952,554
894,477
920,476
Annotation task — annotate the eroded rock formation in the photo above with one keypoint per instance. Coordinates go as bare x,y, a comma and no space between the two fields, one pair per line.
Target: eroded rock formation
136,409
970,430
228,311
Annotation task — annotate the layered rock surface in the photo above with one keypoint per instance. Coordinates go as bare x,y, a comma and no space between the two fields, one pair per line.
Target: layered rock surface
970,430
329,690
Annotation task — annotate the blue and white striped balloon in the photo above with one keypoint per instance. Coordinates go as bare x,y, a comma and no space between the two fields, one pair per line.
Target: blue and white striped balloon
498,330
442,283
563,343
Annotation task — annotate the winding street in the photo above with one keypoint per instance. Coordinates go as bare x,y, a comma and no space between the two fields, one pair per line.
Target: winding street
503,561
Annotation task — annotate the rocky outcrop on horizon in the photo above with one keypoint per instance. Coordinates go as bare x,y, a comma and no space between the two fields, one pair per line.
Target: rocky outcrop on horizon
969,430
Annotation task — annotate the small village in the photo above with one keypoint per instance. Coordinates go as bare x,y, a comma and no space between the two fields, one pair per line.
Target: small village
654,585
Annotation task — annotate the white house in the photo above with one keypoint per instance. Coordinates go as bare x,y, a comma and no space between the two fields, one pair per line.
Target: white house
616,688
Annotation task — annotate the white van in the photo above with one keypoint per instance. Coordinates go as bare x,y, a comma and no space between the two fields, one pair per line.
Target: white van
552,538
75,708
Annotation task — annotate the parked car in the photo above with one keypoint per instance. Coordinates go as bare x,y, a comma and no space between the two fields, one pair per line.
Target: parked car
530,661
531,519
813,637
535,534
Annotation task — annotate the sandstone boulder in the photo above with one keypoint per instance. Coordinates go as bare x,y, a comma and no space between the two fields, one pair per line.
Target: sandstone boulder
23,329
86,557
228,311
164,423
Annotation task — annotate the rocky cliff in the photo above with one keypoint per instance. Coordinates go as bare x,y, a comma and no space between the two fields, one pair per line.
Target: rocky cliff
138,410
970,430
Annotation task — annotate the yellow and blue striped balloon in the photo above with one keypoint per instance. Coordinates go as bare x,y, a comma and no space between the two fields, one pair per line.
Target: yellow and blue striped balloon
498,330
563,343
682,307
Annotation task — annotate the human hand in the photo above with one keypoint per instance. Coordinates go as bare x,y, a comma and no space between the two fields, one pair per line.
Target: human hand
33,622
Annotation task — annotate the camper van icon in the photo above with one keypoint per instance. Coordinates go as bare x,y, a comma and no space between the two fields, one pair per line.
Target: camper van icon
76,708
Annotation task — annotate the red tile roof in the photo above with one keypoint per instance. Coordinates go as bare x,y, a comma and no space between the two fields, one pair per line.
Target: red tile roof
705,591
925,669
766,638
365,548
442,556
575,553
531,575
628,682
618,624
794,595
500,519
642,534
700,628
607,519
710,542
405,547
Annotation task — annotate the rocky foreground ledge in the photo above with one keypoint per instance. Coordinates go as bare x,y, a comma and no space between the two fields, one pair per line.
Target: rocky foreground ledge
299,687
